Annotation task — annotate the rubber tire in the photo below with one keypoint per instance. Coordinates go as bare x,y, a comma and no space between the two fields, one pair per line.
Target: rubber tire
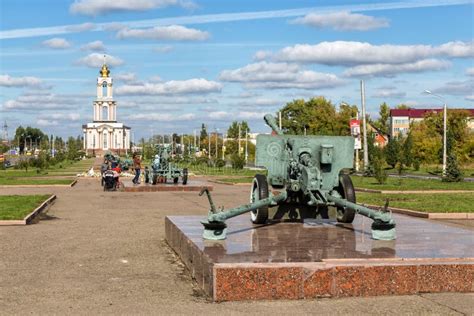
154,179
346,190
185,176
260,215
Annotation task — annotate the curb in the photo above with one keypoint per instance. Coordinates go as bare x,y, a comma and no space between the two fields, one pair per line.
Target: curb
229,183
28,218
39,185
411,191
426,214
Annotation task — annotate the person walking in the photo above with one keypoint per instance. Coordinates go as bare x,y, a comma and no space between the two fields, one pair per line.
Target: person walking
137,165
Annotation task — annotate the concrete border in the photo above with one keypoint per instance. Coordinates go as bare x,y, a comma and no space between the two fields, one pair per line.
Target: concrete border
28,218
39,185
410,191
426,214
229,183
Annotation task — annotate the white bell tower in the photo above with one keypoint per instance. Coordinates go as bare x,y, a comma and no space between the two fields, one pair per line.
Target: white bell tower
105,108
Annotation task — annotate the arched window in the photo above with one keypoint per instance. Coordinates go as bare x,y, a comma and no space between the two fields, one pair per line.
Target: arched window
105,113
104,89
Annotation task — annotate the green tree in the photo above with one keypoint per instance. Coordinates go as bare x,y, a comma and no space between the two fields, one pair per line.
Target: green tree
403,107
406,156
203,134
383,122
233,130
392,152
317,116
453,172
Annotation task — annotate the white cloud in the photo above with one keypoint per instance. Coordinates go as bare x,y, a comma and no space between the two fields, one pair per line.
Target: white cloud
389,70
100,7
56,43
95,60
456,88
163,49
7,81
46,122
357,53
163,117
261,101
97,46
226,17
171,32
470,71
244,115
81,27
280,75
191,86
126,76
262,55
469,97
388,92
155,79
61,116
342,21
40,101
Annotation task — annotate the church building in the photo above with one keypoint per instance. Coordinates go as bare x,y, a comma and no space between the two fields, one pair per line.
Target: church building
105,133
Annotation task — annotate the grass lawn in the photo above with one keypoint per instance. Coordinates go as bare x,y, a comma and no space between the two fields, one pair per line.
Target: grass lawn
441,203
236,180
409,184
65,168
33,181
15,207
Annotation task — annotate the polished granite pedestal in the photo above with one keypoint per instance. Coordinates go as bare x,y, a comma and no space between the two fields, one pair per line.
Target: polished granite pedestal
191,186
285,260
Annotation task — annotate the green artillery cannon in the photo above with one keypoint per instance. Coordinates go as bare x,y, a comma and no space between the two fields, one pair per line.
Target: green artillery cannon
162,168
124,163
306,171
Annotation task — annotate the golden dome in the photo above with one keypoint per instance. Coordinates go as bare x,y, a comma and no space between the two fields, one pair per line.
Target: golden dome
104,72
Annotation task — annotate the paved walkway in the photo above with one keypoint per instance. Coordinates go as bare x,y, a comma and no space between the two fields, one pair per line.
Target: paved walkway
104,253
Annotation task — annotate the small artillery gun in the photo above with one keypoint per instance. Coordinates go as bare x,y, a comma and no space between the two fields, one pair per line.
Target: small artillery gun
162,169
124,163
306,170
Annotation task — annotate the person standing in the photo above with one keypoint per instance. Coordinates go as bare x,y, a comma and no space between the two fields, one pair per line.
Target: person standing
137,165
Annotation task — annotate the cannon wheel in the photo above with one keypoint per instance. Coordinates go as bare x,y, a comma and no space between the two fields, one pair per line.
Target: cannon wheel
259,191
185,176
346,190
154,179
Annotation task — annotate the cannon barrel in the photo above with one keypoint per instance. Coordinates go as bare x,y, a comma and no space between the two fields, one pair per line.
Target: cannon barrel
270,120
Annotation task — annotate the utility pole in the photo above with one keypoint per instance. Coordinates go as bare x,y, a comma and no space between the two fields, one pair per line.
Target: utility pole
223,147
209,143
364,125
217,145
246,146
239,138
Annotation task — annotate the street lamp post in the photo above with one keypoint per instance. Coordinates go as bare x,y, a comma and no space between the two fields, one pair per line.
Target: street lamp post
445,114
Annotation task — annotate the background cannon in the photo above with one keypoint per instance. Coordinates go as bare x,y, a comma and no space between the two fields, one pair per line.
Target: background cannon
303,170
162,169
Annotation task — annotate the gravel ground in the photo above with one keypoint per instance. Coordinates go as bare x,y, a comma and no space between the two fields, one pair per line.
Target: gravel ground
104,253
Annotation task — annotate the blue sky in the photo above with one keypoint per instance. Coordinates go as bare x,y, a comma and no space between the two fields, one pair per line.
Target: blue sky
179,63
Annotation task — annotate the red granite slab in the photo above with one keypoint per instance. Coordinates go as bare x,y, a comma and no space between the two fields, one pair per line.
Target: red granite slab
297,261
192,186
